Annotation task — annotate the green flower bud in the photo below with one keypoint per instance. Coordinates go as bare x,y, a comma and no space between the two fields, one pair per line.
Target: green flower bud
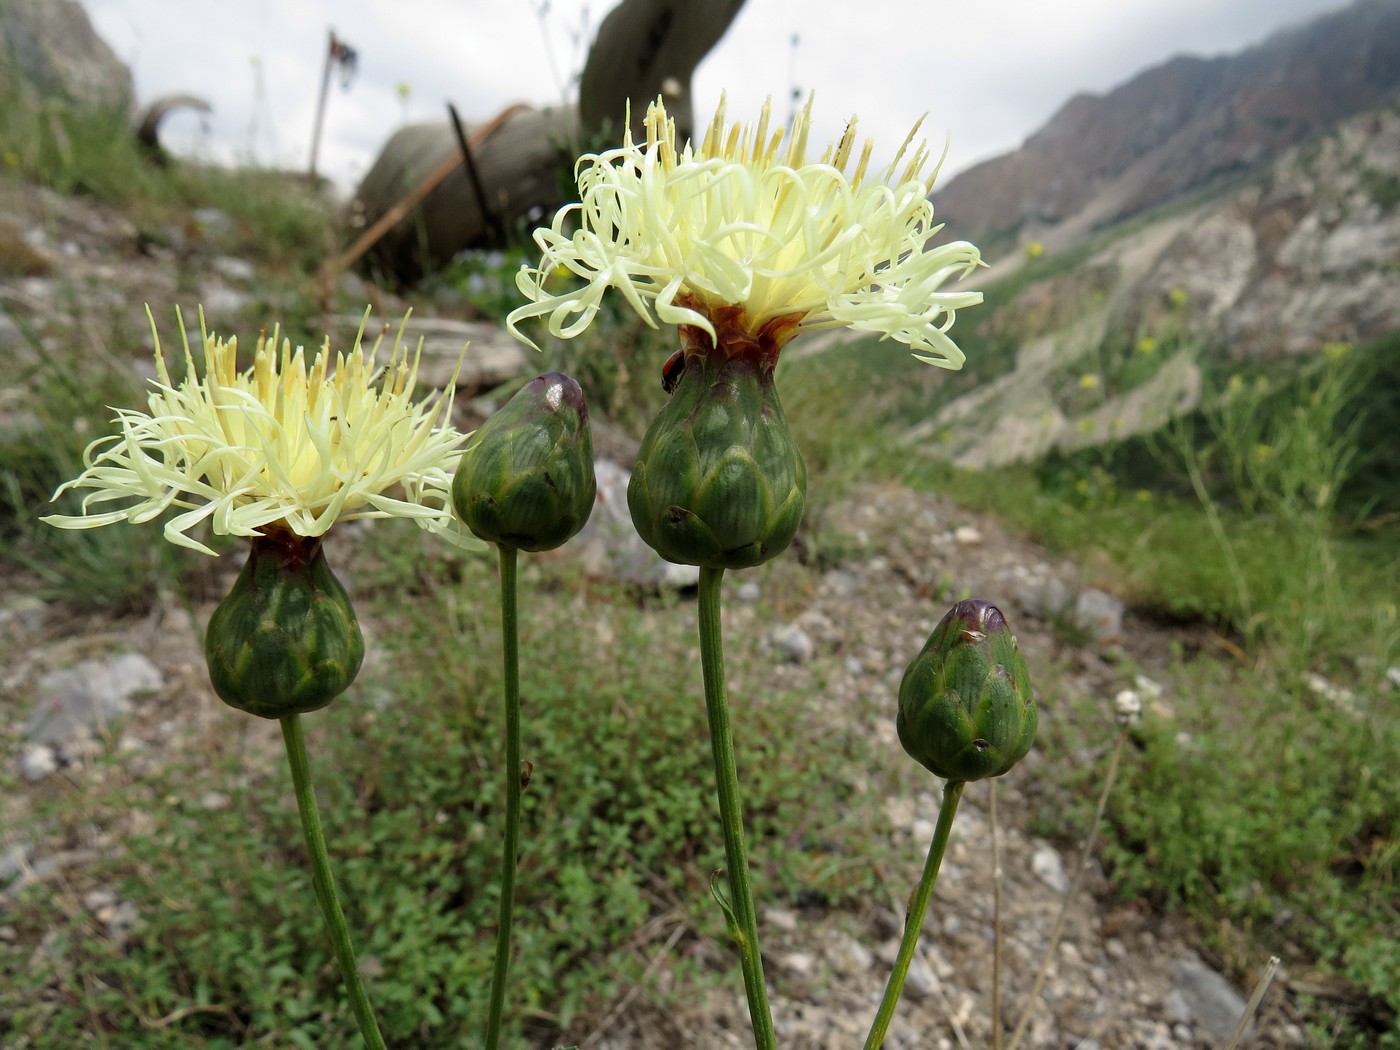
719,481
526,480
965,706
285,640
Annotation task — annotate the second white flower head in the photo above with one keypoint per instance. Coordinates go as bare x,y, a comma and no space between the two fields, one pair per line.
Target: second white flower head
690,235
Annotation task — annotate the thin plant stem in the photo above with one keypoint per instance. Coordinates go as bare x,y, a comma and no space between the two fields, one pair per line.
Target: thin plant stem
1219,533
510,650
1252,1007
743,920
1059,928
324,883
996,918
914,920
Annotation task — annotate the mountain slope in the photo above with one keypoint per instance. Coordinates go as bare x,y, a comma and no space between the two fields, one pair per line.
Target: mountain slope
1178,127
1304,253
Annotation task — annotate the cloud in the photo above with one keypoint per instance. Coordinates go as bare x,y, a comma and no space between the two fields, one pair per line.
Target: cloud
986,74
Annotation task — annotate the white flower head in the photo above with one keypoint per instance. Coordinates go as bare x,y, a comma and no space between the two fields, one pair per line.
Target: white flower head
276,445
742,232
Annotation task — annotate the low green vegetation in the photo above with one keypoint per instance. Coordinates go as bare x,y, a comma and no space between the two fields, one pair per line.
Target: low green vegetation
620,841
75,152
1264,798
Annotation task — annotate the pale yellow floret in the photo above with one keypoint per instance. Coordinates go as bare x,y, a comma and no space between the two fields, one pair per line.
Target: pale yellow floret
276,444
682,233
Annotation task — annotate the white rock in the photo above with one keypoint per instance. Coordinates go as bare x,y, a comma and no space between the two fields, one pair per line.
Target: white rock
1148,687
24,611
1047,866
1153,1035
967,535
608,545
848,956
234,268
75,701
780,919
920,982
1213,1003
37,761
1174,1006
1127,706
218,298
801,964
1100,613
793,643
12,863
95,900
899,811
1338,695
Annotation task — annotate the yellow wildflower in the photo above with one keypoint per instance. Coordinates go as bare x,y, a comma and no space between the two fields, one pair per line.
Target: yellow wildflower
739,238
275,445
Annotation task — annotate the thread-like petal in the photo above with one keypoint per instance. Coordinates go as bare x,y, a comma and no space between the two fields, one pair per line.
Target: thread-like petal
277,443
684,233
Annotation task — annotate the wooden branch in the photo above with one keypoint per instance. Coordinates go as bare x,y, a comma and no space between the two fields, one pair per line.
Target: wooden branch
430,182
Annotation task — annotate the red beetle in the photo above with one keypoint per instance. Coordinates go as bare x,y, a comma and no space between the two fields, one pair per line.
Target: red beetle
671,371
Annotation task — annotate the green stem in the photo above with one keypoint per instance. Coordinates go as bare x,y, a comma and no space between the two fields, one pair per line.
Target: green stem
325,885
914,921
510,650
744,925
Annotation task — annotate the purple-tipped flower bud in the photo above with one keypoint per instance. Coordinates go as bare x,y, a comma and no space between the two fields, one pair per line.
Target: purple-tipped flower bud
526,479
285,640
966,711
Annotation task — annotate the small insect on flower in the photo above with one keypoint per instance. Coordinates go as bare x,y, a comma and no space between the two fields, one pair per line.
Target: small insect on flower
671,371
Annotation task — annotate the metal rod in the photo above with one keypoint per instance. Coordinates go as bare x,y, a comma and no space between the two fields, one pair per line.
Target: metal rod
391,218
493,223
321,105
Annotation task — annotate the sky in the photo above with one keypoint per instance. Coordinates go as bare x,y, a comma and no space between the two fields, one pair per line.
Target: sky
986,73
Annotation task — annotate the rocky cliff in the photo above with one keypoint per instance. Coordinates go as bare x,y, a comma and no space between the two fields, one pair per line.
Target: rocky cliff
1107,337
49,49
1177,128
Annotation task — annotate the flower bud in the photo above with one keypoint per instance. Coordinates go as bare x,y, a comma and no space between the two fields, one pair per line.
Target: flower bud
965,706
719,481
285,640
526,480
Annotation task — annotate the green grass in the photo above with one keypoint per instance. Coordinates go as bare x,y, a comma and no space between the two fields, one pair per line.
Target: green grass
275,218
1260,810
618,816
